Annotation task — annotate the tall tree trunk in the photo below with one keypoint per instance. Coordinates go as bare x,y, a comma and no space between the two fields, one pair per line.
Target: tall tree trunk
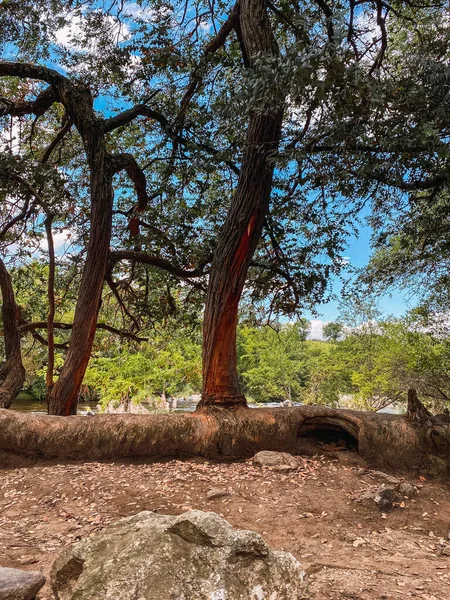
51,307
243,226
12,373
64,395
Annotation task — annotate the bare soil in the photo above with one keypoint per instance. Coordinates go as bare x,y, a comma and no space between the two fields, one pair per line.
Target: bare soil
348,548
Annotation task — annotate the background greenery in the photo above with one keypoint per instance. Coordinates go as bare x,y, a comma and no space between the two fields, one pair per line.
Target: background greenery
366,360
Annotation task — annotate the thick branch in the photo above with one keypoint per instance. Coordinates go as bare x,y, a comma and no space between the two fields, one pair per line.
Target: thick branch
30,71
30,327
140,110
155,261
127,163
35,107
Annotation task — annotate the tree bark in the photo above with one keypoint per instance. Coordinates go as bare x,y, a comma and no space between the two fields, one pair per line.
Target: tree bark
79,105
12,372
242,229
392,441
64,395
51,307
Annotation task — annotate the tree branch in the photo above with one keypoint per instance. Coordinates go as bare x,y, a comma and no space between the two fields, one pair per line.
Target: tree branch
140,110
127,163
213,45
30,71
35,107
31,327
155,261
58,138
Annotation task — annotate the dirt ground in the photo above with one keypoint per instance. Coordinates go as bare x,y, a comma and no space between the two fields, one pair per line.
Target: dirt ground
349,549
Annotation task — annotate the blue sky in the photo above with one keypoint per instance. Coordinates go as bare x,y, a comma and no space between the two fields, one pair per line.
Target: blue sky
358,252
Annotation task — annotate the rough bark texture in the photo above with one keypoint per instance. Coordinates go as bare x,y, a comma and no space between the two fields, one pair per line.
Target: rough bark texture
51,307
383,439
242,229
12,372
79,106
64,395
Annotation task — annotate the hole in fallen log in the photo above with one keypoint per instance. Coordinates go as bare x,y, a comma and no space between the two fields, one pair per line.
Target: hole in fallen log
325,435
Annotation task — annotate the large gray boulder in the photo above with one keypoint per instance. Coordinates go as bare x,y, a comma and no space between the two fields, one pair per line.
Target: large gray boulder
194,556
16,584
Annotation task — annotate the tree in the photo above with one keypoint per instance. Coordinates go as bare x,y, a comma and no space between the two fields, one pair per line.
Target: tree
273,361
325,66
12,372
78,104
332,331
242,229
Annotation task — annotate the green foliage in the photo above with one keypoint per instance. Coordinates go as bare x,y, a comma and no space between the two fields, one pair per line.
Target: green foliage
377,362
324,382
272,362
332,331
169,365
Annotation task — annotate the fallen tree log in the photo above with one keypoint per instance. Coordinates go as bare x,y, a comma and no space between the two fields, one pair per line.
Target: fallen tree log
383,439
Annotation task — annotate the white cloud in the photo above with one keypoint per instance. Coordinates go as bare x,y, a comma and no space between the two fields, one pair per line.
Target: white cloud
147,14
316,329
61,241
73,33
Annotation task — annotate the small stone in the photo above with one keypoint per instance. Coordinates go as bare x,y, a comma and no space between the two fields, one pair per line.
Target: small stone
214,493
444,548
281,461
406,489
28,561
386,497
19,585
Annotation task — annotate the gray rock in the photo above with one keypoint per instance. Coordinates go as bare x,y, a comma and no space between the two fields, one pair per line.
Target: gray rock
214,493
19,585
281,461
406,489
194,556
386,497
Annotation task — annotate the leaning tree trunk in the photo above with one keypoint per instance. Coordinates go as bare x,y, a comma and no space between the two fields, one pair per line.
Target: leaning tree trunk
12,373
388,440
64,395
242,229
78,103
